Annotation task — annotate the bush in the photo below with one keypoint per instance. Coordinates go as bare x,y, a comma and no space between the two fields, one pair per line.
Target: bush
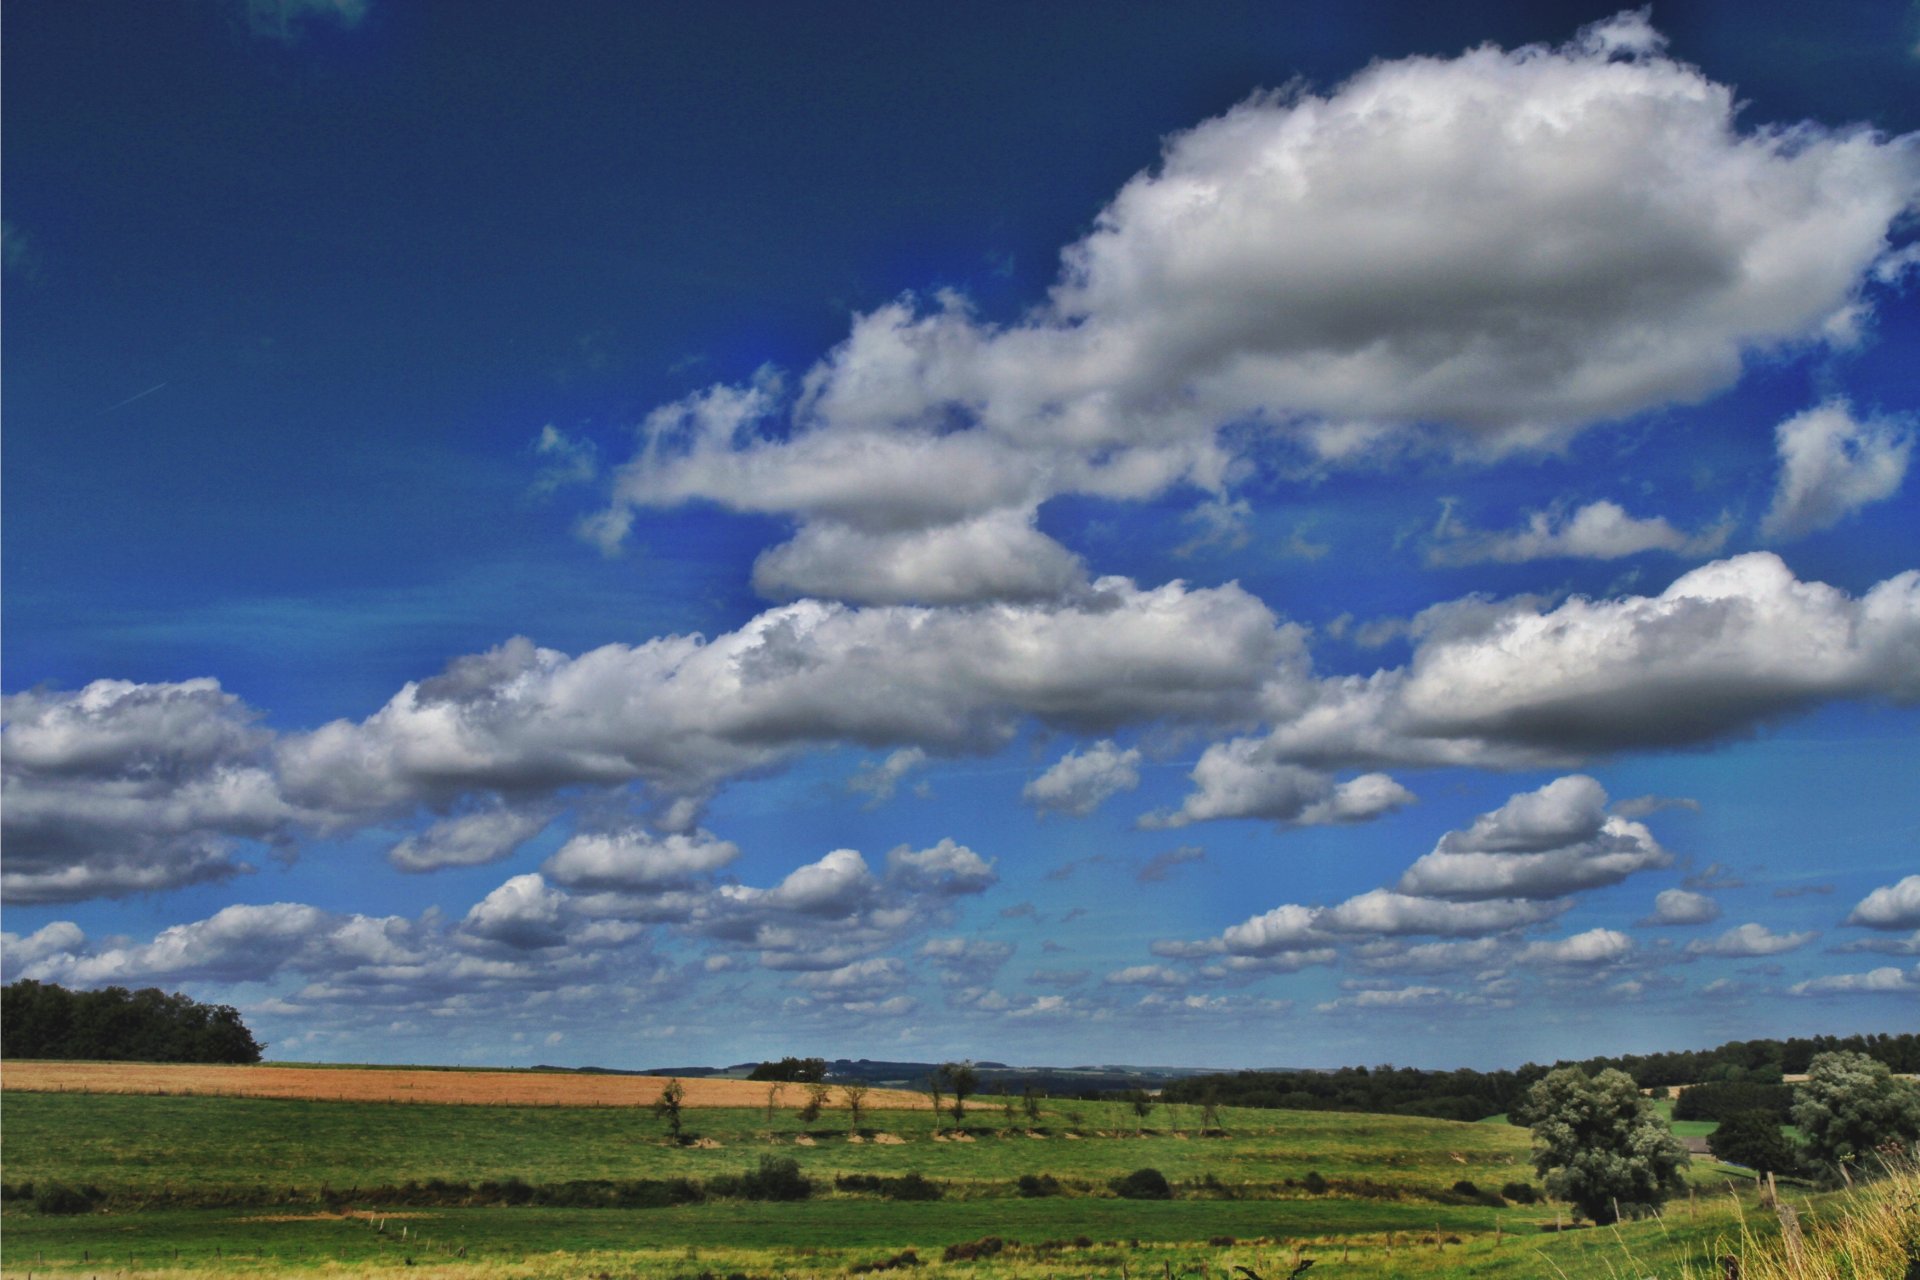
1520,1192
1036,1185
57,1197
1142,1184
1314,1183
910,1186
777,1178
967,1252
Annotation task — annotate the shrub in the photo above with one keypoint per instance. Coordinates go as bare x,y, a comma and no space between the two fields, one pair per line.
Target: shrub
1036,1185
905,1258
57,1197
910,1186
1314,1183
968,1251
777,1178
1142,1184
1520,1192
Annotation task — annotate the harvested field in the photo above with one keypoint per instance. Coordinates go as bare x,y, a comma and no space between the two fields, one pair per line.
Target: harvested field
400,1084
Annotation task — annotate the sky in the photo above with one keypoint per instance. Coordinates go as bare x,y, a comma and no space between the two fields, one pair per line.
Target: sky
1245,534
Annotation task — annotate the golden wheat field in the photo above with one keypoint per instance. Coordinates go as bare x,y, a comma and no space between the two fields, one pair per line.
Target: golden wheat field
403,1084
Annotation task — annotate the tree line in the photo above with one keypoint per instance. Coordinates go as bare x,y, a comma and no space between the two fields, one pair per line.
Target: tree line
1465,1094
113,1024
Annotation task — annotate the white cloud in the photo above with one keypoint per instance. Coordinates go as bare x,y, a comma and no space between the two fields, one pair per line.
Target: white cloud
567,461
524,913
1597,531
944,869
1080,781
126,788
636,859
685,713
1831,465
1594,947
1885,981
1386,913
1501,247
470,840
880,781
1682,906
1892,906
17,952
1244,778
1541,844
1749,941
1147,975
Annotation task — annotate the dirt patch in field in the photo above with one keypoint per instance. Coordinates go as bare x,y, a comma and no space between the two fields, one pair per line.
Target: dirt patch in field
1038,1137
705,1144
804,1141
399,1084
889,1139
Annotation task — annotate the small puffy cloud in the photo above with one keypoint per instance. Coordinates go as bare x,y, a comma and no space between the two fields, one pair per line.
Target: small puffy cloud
1831,465
946,869
1245,778
1893,906
880,780
1393,956
996,556
1597,531
1541,844
1749,941
966,961
1885,981
524,914
1908,945
1080,781
861,980
1682,906
1413,999
1147,975
1594,947
470,840
637,860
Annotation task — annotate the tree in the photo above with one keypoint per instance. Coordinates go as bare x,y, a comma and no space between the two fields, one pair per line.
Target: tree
1754,1139
792,1070
1599,1144
1030,1099
1850,1107
936,1092
667,1105
1210,1113
962,1079
817,1094
1142,1103
855,1093
774,1091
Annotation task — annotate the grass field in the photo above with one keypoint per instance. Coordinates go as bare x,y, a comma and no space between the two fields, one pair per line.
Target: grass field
215,1185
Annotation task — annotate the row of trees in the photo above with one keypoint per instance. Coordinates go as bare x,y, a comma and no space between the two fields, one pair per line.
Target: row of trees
1599,1144
45,1020
1465,1094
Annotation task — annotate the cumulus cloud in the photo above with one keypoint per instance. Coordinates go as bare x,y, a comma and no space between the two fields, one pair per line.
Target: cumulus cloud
1245,778
525,914
1682,906
1080,781
1401,998
1749,941
1494,250
125,788
684,713
1594,947
1885,981
470,840
945,869
1831,465
1542,844
637,860
1597,531
1892,906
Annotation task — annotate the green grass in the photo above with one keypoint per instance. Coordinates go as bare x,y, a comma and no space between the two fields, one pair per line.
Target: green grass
1245,1186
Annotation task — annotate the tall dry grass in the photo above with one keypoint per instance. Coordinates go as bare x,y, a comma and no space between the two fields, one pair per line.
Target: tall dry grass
1870,1233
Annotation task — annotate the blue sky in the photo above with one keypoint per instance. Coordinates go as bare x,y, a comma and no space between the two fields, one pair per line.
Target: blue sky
1256,535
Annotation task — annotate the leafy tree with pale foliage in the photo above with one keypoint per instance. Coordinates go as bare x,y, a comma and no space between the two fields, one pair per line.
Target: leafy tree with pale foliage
854,1092
1598,1144
667,1106
1852,1107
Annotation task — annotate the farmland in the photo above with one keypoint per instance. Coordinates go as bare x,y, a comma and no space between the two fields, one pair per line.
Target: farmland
212,1183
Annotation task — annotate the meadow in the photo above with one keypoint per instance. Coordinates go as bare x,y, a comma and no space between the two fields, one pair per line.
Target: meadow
215,1185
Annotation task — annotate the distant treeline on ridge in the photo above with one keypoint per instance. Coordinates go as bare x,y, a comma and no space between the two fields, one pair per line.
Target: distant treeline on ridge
1465,1094
44,1020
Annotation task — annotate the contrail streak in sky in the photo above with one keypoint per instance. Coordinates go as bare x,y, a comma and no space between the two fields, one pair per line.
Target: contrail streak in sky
158,386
